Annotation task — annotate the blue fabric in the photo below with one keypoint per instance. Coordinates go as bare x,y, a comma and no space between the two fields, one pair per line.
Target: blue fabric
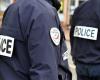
35,56
85,50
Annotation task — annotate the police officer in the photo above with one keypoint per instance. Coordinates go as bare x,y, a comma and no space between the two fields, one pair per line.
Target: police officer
85,40
32,43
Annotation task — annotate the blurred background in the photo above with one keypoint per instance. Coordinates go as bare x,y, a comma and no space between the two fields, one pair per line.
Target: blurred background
65,12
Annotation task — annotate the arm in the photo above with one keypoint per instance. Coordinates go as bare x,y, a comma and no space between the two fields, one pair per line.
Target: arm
72,22
41,50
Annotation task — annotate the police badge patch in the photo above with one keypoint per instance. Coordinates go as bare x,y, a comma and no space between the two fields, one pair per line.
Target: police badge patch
55,35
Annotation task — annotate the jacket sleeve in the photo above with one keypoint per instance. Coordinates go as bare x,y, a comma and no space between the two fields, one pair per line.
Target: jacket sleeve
97,9
73,24
41,50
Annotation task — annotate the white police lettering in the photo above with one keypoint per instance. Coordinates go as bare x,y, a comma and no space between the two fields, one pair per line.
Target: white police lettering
86,32
6,45
55,35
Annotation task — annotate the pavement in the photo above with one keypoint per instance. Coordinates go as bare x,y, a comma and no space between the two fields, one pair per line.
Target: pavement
0,19
71,65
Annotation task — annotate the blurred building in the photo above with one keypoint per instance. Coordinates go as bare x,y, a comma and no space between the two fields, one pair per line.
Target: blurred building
66,10
3,6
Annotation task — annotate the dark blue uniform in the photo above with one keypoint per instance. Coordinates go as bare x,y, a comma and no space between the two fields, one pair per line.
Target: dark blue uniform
85,40
32,43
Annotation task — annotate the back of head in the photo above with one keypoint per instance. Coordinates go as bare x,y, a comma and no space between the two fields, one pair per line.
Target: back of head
55,3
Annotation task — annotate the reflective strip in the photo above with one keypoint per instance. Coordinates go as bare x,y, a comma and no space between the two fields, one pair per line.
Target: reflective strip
65,55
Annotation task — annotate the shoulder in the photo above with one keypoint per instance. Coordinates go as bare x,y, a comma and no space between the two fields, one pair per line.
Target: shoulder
85,8
31,10
36,7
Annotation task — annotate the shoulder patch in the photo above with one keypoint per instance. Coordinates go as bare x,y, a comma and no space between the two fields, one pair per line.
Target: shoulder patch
55,35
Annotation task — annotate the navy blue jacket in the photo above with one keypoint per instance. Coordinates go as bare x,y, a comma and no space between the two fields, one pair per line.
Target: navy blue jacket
86,50
35,56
